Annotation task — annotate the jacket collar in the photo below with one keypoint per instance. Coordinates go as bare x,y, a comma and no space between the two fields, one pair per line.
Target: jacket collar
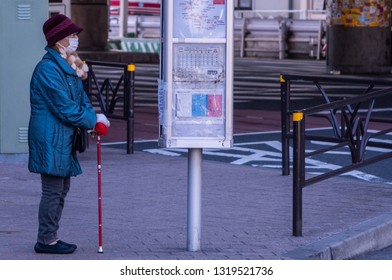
54,55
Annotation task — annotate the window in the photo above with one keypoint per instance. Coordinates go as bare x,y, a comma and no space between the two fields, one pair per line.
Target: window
243,4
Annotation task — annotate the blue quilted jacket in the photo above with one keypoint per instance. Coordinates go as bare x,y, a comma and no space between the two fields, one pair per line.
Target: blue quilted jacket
59,104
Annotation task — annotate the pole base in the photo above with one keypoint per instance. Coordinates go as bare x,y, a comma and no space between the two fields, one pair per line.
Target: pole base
100,250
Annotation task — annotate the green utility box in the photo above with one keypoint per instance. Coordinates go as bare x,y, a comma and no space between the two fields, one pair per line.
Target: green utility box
22,45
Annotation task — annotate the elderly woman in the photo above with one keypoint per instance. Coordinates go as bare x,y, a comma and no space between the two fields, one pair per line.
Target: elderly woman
59,105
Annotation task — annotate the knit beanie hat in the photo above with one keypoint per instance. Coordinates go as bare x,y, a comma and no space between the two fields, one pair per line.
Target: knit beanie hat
58,27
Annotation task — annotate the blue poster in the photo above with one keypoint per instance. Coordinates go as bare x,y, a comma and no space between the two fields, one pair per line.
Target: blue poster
199,105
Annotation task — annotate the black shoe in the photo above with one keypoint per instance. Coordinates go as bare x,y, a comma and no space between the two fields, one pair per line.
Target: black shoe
67,244
57,248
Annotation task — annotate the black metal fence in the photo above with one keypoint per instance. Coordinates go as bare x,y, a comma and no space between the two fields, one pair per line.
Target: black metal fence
349,124
113,88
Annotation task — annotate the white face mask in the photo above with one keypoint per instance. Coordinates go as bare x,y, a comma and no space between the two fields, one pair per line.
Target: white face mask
73,45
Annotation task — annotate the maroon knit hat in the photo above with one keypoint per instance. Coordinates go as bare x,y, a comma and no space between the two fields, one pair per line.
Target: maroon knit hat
58,27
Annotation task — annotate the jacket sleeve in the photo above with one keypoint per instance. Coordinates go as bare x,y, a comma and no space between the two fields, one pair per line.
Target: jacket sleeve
58,93
85,101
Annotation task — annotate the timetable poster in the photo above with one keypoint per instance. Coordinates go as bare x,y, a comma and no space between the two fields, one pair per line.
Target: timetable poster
199,19
199,62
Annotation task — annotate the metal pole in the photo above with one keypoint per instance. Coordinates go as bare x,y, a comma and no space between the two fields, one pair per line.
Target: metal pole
282,39
243,31
298,171
100,250
285,123
129,112
123,18
194,198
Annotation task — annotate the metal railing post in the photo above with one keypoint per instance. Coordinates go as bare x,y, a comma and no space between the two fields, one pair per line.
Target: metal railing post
298,170
129,96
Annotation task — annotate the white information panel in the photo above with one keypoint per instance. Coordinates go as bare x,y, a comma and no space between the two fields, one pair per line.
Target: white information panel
195,87
200,19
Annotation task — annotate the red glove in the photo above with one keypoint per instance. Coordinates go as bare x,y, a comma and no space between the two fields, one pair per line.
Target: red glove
101,129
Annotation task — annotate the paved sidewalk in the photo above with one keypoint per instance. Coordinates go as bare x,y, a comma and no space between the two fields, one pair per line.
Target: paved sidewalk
246,212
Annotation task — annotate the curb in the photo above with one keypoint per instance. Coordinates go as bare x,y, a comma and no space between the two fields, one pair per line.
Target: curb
373,234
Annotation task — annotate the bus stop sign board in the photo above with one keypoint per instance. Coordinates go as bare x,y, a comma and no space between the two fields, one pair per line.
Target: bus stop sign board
195,90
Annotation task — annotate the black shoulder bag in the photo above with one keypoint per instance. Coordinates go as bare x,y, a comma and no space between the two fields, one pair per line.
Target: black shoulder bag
79,142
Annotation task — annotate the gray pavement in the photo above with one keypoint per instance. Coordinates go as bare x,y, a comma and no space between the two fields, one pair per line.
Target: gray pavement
246,212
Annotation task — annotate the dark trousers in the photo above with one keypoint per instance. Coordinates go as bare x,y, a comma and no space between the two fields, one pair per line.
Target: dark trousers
54,191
